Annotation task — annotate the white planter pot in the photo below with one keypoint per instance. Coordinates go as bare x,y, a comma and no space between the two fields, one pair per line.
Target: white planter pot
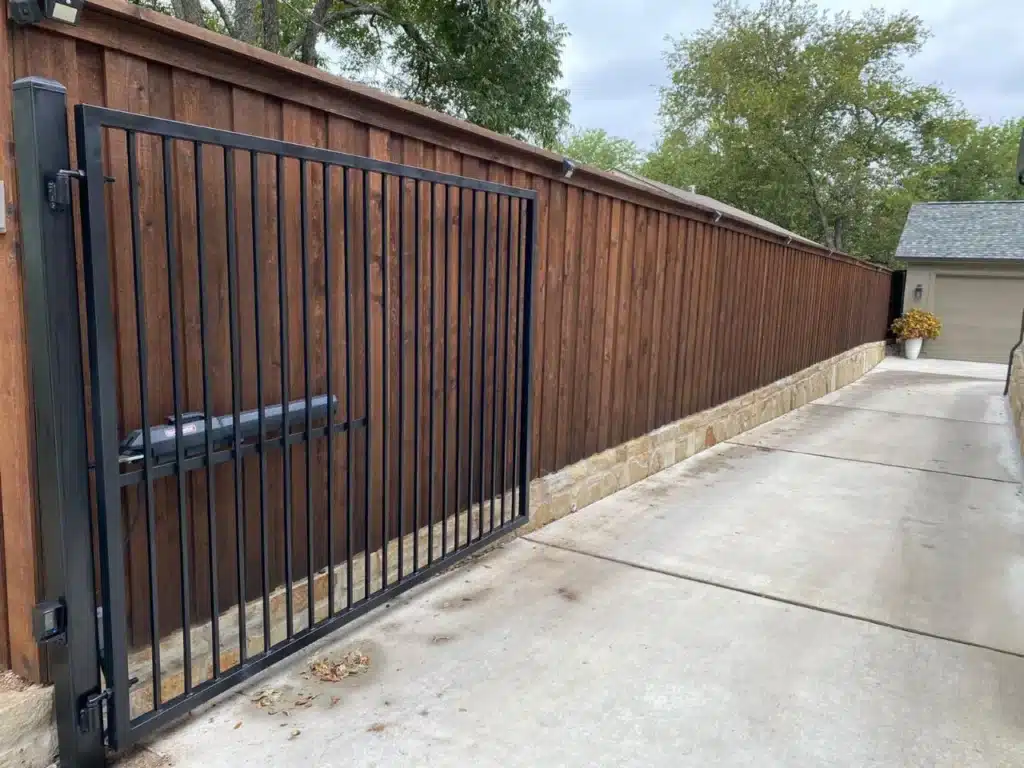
912,348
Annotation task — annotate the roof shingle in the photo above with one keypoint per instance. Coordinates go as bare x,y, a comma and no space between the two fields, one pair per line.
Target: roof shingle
969,230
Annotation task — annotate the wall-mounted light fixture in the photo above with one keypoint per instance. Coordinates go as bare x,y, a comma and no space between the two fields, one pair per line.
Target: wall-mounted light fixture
568,167
34,11
918,292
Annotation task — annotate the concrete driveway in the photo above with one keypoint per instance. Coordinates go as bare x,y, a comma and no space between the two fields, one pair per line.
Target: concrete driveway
843,586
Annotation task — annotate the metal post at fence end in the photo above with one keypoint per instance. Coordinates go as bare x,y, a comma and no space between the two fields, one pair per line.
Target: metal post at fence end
1009,364
66,619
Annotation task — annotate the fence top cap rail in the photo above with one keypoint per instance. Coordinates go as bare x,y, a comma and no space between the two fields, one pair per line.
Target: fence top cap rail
104,117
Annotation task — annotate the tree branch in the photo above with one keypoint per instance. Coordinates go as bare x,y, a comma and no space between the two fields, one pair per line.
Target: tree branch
224,16
246,18
816,196
188,10
322,18
271,26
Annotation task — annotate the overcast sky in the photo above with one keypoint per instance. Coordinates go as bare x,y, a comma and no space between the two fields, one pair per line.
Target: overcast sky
613,63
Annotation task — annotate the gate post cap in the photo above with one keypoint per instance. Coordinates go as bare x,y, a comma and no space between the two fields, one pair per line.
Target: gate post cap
38,83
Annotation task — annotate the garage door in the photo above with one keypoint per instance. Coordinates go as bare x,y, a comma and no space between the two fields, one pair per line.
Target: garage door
980,318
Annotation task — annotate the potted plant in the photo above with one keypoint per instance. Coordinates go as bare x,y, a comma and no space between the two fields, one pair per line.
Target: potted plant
913,327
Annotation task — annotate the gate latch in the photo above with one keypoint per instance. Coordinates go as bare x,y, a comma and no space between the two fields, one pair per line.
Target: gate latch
90,716
49,621
58,188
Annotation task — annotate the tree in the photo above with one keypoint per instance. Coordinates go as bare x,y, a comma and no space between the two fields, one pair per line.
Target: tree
801,116
492,62
595,146
970,162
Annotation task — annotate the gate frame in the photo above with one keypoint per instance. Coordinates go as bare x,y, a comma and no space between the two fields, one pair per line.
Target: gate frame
61,449
90,121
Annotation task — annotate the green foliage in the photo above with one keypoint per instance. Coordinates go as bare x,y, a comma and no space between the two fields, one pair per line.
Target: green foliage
917,324
970,162
492,62
594,146
808,119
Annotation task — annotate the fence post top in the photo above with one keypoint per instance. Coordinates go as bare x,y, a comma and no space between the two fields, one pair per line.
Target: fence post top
38,83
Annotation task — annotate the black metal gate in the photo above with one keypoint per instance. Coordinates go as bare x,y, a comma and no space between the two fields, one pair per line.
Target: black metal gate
309,389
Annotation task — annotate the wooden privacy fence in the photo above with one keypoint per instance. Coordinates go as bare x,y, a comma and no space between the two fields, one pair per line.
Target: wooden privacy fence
647,309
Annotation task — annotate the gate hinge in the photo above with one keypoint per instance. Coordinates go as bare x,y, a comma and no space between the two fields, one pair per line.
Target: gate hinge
90,716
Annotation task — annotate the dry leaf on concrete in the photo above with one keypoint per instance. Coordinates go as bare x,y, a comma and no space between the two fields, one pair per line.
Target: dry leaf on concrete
266,698
328,670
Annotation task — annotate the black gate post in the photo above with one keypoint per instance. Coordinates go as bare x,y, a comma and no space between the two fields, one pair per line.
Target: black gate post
61,452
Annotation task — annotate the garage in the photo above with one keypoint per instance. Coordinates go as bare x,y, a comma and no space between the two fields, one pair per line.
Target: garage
980,317
965,263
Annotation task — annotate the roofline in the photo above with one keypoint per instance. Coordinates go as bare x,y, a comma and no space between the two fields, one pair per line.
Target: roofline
967,202
965,259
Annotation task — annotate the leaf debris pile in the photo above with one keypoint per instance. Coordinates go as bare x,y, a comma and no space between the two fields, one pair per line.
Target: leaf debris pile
335,670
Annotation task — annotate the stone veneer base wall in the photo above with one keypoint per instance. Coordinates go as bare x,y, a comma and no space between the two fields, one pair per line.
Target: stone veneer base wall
556,495
1017,396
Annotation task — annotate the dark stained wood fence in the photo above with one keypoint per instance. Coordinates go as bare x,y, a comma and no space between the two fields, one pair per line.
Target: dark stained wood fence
646,310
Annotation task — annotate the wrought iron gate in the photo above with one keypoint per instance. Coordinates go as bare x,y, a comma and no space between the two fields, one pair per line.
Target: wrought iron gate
309,389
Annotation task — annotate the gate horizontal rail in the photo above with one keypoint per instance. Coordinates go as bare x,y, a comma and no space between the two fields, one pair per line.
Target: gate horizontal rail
228,273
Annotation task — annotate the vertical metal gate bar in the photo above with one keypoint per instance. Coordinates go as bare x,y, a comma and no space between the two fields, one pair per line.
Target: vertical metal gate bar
50,283
173,301
517,375
286,451
447,381
141,348
483,362
368,453
512,263
526,356
328,290
430,428
416,443
458,373
236,405
254,174
401,371
306,383
494,367
385,255
350,434
472,368
204,324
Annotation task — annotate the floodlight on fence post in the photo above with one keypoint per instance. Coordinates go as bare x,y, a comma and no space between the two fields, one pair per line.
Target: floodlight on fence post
34,11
